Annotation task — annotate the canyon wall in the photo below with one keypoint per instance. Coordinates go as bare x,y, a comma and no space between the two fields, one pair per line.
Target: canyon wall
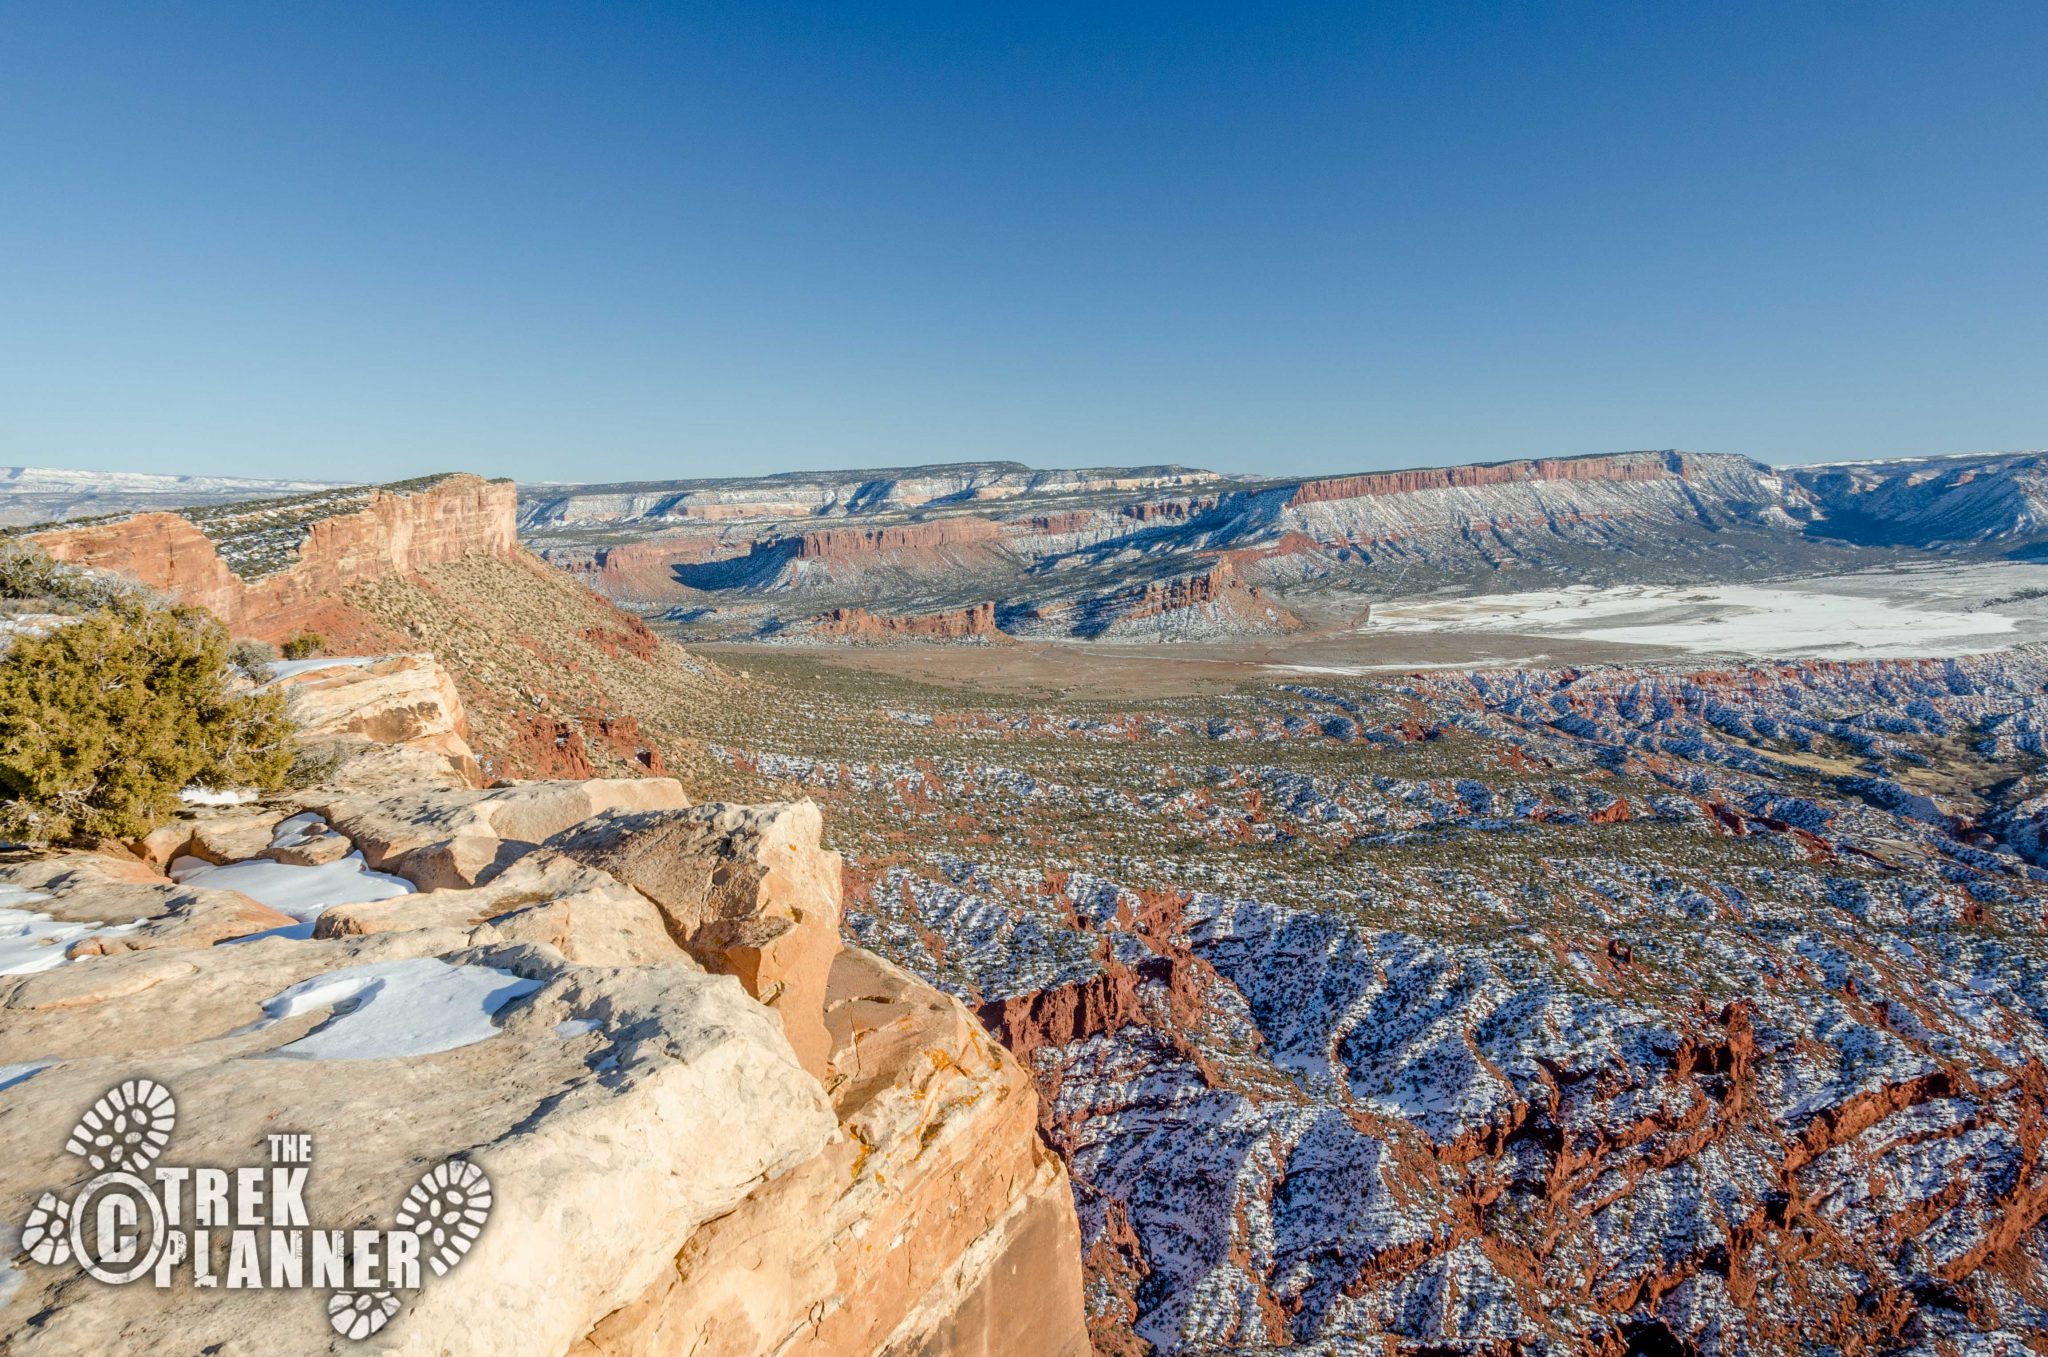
1213,601
392,532
941,532
799,495
641,572
1621,466
1060,556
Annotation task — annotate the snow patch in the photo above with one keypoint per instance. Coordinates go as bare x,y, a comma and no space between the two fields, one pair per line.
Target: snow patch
218,796
391,1009
302,892
280,670
20,1073
31,942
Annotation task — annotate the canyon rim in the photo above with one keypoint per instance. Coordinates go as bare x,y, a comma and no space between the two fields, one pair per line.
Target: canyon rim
963,980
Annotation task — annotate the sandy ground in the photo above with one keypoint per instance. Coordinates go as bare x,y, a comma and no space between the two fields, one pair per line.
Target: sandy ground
1946,609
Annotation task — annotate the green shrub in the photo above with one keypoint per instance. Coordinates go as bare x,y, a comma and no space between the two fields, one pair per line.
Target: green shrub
305,645
105,720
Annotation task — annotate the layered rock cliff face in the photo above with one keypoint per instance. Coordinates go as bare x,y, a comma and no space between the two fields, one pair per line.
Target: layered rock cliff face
797,495
840,542
1627,466
1211,602
976,622
709,1126
1995,502
638,572
280,588
1050,551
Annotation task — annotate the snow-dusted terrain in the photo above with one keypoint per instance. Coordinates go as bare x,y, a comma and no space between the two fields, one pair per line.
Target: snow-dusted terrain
1614,1010
32,494
1071,554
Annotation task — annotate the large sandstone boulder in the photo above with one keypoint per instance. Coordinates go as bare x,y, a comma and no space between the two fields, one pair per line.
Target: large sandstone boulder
438,837
232,838
615,1111
748,890
585,914
393,699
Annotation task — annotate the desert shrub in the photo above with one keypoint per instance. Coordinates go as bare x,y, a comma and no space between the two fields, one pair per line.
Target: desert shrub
304,646
103,722
29,576
254,658
26,571
314,764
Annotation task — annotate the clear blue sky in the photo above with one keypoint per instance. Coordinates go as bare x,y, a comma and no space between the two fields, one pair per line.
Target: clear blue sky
604,240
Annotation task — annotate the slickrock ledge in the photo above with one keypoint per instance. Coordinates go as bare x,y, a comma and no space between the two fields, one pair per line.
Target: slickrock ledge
710,1127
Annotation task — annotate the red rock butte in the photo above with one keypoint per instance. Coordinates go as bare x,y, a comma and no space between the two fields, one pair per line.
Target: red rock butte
975,620
828,542
391,532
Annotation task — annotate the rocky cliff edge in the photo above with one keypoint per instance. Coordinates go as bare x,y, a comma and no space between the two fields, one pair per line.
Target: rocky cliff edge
708,1126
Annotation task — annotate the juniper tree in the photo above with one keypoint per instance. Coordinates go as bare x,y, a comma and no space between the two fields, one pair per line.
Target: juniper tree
104,720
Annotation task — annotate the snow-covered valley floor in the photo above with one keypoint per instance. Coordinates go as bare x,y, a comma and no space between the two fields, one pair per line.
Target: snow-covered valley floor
1935,612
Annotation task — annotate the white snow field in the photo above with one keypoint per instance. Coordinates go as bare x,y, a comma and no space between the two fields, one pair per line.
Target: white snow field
1748,620
390,1009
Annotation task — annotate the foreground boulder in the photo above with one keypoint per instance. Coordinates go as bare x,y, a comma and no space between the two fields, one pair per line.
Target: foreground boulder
745,889
436,837
387,699
939,1224
672,1100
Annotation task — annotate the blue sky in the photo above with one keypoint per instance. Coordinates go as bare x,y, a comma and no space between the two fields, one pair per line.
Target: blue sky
605,241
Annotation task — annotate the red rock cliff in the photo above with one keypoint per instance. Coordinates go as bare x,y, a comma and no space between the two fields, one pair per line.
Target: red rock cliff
909,537
1621,466
975,620
392,533
639,571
